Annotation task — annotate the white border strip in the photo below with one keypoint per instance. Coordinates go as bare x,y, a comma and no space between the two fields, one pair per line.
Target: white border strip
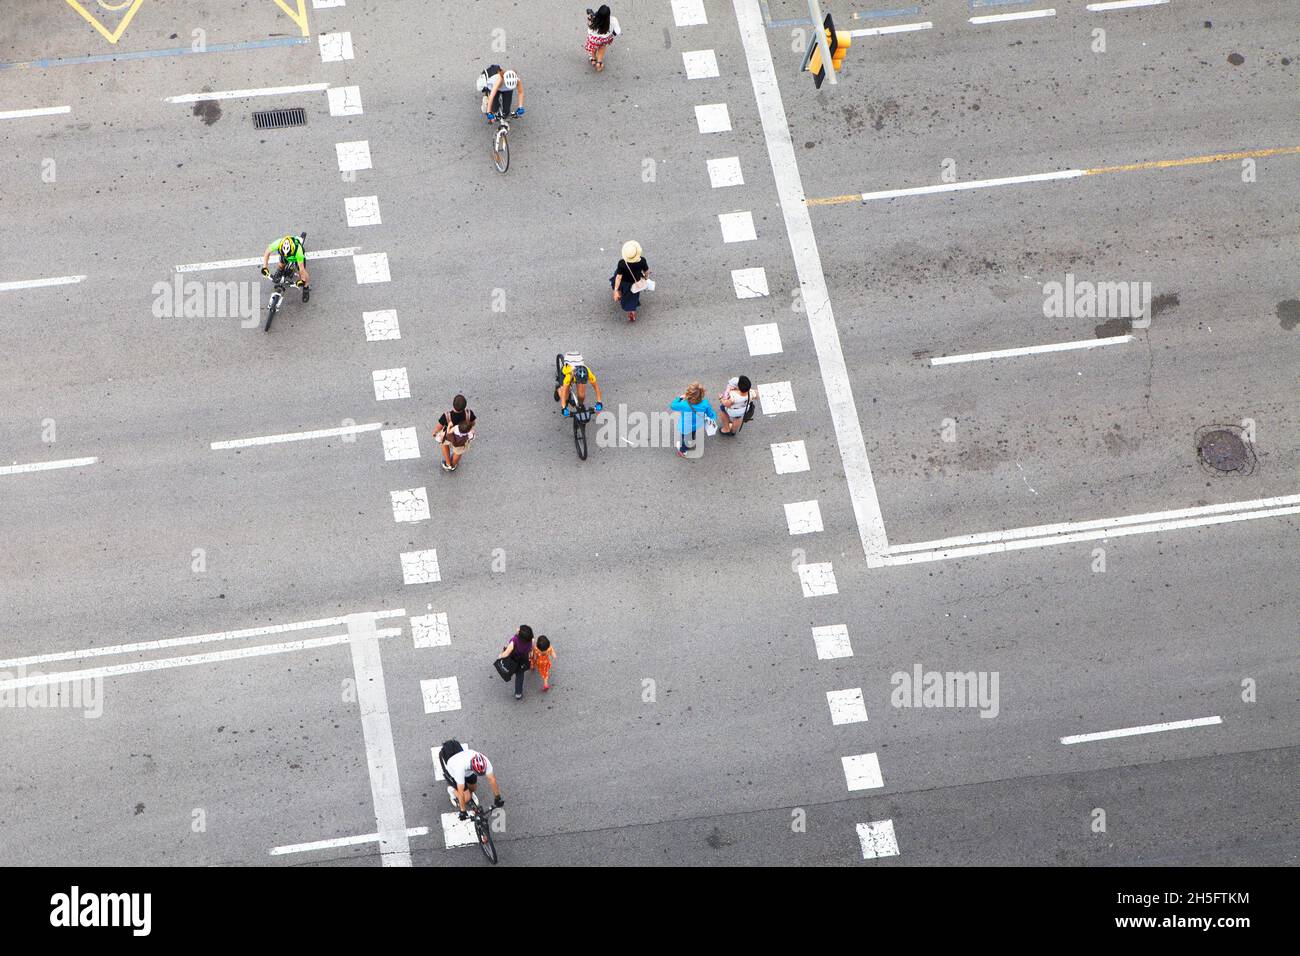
972,184
1030,350
340,842
39,111
808,265
39,283
114,649
1144,729
1123,5
1022,15
312,255
245,94
166,663
899,28
295,436
46,465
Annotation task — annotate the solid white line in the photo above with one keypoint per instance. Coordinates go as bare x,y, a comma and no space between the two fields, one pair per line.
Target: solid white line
244,94
1030,350
803,246
1123,4
1023,15
900,28
1145,729
40,283
191,660
972,184
38,111
295,436
340,842
1007,540
114,649
312,256
381,754
46,465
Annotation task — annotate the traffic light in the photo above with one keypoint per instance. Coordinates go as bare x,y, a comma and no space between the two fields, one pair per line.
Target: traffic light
838,42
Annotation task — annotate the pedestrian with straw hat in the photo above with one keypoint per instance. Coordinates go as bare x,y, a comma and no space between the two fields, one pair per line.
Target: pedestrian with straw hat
631,277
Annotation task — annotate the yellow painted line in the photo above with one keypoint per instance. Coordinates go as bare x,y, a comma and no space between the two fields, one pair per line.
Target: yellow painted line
299,17
1195,160
1065,174
115,35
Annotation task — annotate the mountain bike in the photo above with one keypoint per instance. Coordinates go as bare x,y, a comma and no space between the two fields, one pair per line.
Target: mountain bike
280,279
501,138
579,412
482,818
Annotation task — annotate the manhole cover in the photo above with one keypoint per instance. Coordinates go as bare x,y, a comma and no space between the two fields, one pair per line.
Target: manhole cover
1222,449
279,119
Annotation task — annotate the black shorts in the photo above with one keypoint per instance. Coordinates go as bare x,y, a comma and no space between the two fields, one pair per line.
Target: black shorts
502,101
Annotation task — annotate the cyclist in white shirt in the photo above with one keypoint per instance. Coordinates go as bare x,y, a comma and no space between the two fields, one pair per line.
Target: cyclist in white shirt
462,766
498,87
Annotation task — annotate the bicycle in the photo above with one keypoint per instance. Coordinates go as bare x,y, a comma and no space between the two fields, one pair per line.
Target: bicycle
482,819
580,413
280,280
501,138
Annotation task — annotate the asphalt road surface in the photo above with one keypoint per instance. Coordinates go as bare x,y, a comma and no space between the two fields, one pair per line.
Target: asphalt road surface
242,604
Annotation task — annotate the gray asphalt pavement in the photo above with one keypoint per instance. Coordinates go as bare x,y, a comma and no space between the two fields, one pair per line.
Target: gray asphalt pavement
689,722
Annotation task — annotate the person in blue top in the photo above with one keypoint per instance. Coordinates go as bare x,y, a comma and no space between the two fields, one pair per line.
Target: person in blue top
691,406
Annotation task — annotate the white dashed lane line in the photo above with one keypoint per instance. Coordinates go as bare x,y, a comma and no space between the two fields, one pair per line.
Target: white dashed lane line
1030,350
36,111
335,47
899,28
713,118
763,339
247,94
1144,729
381,325
725,172
972,184
16,469
371,267
340,842
832,642
700,64
345,100
353,156
312,254
1123,5
1005,17
362,210
295,436
862,772
16,284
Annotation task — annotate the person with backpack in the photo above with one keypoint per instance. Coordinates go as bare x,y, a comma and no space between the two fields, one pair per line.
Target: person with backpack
454,432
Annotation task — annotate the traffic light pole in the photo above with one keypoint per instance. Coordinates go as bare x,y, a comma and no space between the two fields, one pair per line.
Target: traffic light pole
815,11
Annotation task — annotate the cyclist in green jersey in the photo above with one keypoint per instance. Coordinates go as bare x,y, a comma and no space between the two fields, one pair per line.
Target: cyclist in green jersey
293,258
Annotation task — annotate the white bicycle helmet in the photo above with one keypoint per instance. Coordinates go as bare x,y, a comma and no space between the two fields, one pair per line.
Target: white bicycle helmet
510,80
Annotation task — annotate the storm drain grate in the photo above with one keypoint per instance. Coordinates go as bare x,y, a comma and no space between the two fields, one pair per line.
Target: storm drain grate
1223,449
279,119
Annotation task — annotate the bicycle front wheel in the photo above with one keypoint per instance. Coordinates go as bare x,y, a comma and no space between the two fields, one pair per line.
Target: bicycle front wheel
501,151
270,312
580,438
485,843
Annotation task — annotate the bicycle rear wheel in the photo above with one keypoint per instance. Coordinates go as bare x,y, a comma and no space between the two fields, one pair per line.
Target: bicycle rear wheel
501,151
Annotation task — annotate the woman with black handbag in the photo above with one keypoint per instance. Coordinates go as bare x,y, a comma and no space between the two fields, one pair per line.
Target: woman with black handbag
515,654
738,401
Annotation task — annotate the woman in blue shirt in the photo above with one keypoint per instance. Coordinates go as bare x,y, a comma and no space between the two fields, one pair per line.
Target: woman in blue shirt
690,406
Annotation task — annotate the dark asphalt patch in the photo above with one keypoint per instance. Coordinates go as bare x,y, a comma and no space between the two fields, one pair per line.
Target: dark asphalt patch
1288,314
208,110
1236,59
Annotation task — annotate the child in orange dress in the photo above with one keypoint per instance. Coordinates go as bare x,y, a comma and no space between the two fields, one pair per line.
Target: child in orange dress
541,659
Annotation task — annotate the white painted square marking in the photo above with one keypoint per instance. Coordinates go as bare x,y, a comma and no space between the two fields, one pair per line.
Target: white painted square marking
862,772
324,4
700,64
353,156
400,443
371,267
832,642
420,567
749,283
789,457
763,340
737,226
391,383
847,706
410,504
381,325
818,580
877,839
362,210
776,397
803,517
689,13
345,100
431,630
440,694
713,118
725,172
457,832
335,47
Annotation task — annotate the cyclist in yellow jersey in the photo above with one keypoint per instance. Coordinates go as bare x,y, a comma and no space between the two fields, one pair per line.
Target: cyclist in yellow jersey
576,372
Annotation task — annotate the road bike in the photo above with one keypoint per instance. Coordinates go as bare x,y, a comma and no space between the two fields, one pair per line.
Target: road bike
482,819
579,412
501,138
280,279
